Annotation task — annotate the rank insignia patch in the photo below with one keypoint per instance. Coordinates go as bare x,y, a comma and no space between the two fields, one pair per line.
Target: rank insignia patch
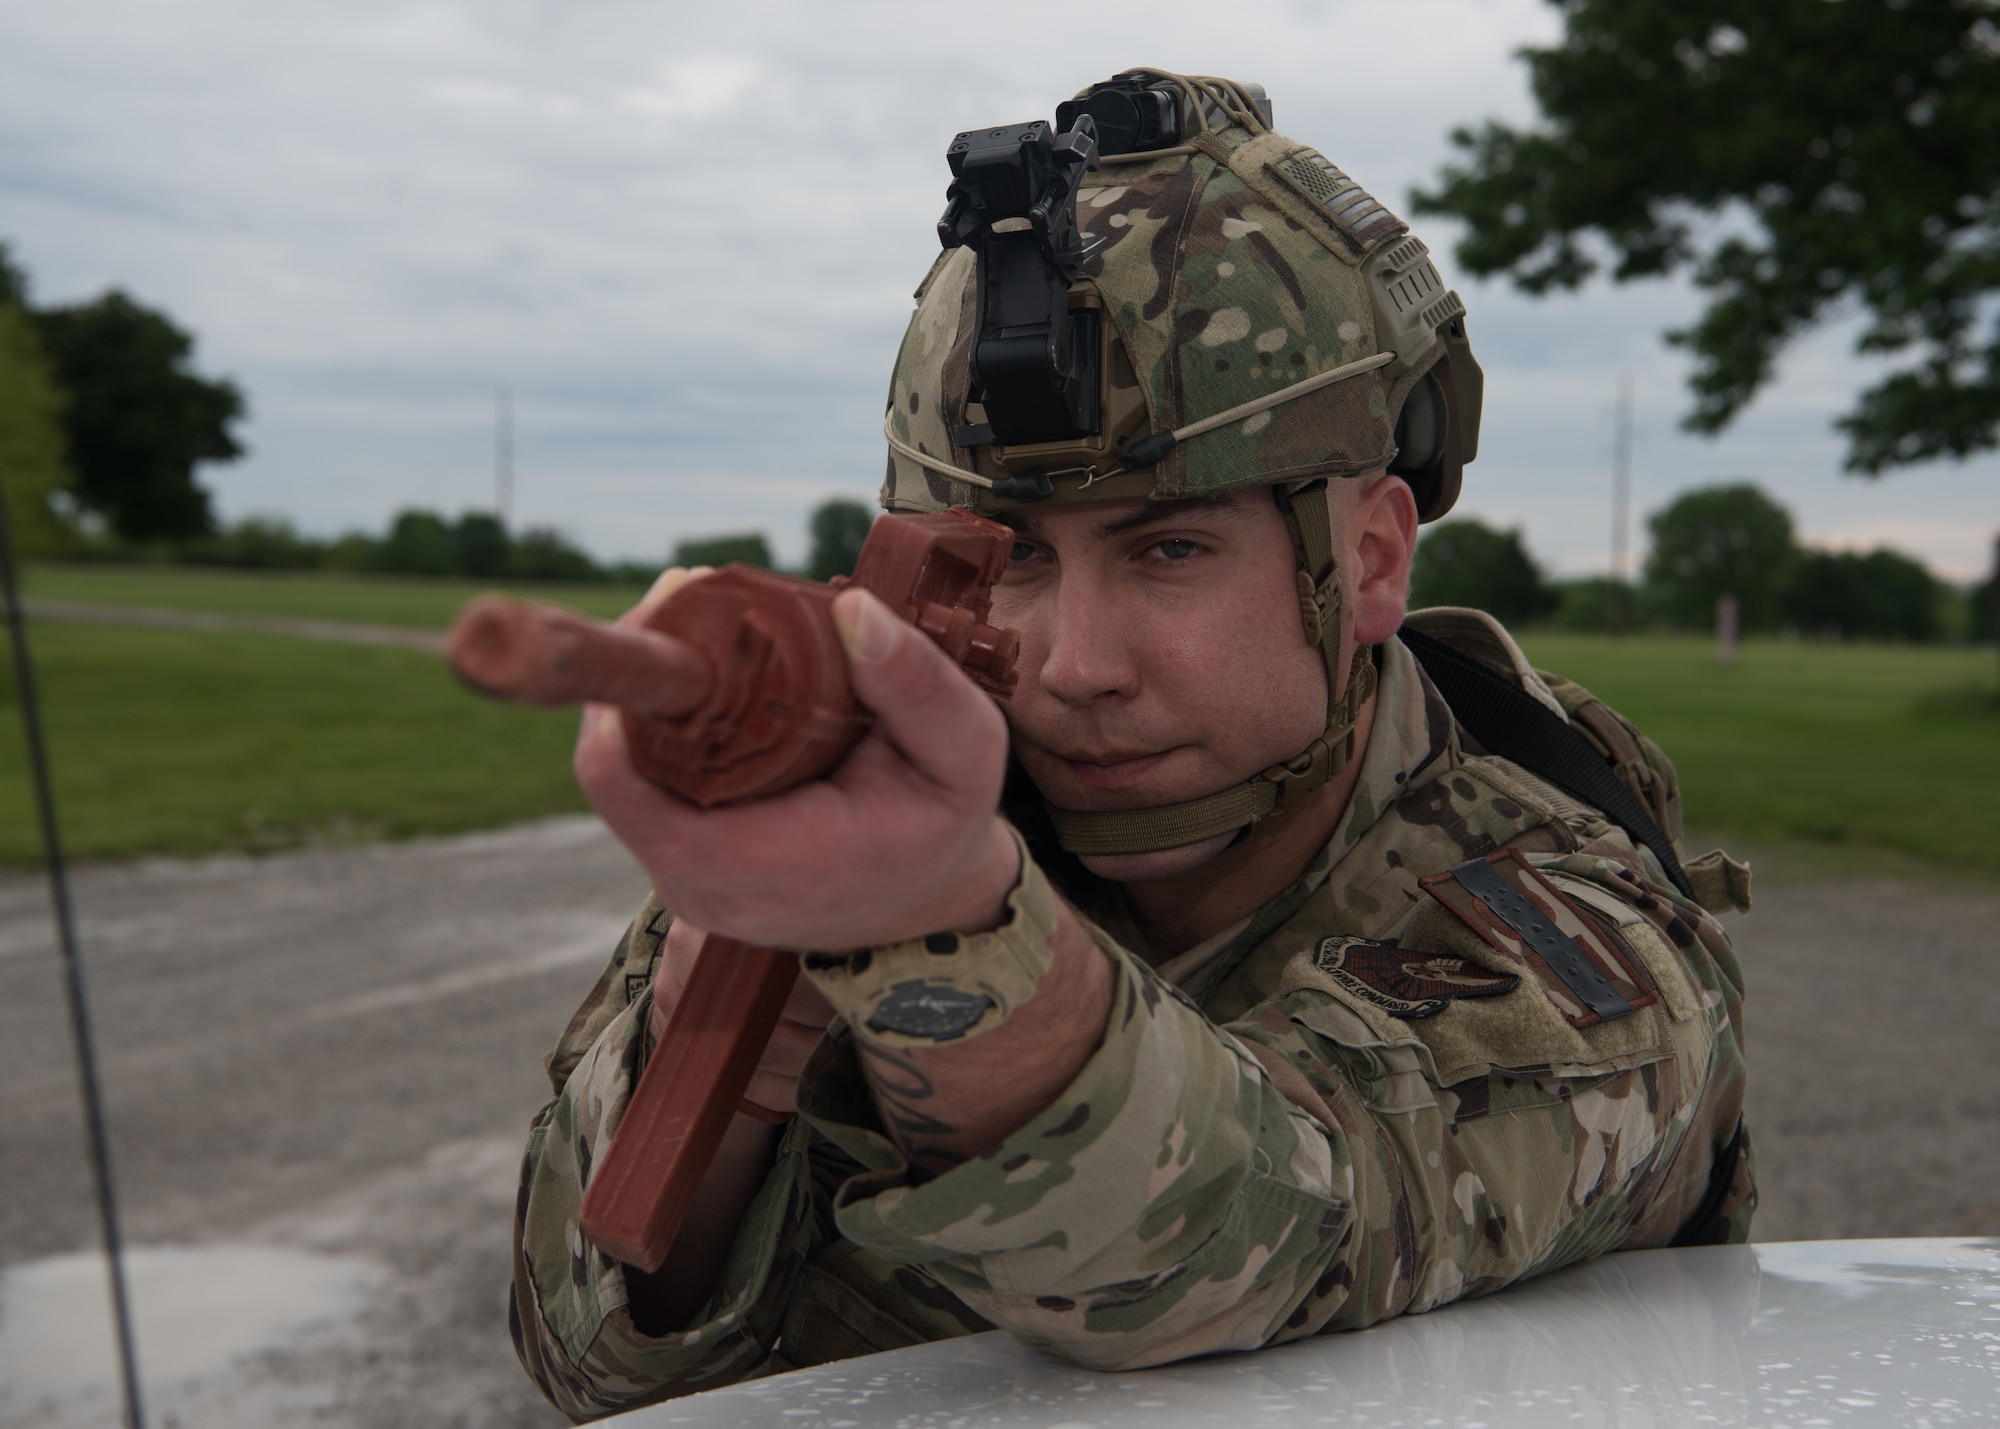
1403,982
1580,961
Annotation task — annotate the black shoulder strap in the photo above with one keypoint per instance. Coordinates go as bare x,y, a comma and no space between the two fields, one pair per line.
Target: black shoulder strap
1514,725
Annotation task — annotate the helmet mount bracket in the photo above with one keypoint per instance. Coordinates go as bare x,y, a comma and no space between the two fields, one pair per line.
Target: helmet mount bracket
1012,201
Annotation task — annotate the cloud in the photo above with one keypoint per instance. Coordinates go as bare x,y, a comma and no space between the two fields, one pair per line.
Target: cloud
693,88
686,237
475,95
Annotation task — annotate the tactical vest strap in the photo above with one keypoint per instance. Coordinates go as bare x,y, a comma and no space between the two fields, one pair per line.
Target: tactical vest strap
1515,726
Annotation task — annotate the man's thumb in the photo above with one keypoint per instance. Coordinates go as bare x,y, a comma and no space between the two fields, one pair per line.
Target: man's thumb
927,706
868,631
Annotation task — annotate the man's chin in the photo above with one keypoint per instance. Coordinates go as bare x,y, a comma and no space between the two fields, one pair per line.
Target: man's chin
1162,863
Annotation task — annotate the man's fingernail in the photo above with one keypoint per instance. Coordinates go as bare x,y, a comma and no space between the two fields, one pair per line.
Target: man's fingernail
867,631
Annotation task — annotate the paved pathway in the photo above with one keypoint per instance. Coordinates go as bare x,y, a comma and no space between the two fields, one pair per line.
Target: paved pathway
163,618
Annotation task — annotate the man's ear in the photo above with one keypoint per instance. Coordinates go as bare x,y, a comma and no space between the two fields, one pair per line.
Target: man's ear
1381,543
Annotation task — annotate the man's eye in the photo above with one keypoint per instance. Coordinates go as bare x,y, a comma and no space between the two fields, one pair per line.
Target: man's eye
1175,549
1021,551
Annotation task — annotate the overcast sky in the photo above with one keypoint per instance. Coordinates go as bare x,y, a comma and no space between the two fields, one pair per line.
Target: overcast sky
685,236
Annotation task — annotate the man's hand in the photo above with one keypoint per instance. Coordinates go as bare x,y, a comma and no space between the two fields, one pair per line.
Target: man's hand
773,1084
902,839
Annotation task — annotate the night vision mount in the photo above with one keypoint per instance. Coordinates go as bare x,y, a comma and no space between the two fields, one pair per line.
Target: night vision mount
1012,201
1141,110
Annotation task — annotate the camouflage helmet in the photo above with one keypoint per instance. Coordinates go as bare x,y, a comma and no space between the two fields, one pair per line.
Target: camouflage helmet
1262,321
1233,269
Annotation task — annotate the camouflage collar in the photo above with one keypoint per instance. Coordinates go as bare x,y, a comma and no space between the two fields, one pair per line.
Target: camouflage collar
1411,740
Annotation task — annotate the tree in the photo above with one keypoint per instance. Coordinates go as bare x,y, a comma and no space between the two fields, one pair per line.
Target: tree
1824,595
31,439
838,527
482,545
1720,540
137,419
1861,142
750,549
13,282
419,543
1883,595
1585,606
1902,597
1467,562
541,553
268,543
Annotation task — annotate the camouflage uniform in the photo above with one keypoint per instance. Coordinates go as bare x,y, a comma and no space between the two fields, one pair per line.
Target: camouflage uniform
1280,1133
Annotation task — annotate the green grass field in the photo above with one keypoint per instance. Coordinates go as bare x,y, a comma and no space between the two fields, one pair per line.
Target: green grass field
1850,757
1850,751
305,595
175,742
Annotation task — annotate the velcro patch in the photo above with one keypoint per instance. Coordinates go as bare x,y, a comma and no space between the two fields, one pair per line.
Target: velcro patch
1582,963
1404,982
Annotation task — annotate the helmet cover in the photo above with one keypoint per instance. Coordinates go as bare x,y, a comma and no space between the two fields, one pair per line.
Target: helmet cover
1227,269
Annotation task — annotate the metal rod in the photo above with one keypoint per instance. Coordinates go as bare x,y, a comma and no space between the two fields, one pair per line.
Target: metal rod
503,455
79,1007
1621,502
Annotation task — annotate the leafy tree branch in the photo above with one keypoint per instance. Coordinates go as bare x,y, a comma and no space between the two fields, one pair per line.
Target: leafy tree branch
1857,142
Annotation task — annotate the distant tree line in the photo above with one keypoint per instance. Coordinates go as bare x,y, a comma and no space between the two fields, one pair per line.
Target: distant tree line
1731,539
477,545
417,543
835,530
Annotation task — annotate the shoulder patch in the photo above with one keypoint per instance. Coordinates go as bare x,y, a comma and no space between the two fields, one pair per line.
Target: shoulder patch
1580,960
1404,982
636,983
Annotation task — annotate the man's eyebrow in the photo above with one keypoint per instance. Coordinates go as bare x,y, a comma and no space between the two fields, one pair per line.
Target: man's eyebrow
1220,505
1153,513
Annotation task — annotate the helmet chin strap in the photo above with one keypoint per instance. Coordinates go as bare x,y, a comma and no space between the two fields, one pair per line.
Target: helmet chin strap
1282,785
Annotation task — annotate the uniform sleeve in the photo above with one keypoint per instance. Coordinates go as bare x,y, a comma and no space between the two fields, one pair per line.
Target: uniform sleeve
568,1303
1317,1164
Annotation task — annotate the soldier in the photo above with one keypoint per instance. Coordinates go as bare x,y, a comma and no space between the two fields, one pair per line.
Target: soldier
1277,1001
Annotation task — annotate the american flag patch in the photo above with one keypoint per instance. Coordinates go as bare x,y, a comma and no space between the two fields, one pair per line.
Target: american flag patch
1357,213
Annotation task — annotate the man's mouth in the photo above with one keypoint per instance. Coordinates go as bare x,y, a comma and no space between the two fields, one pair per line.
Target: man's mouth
1112,769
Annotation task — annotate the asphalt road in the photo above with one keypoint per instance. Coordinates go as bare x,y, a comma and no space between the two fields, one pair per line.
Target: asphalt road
332,1056
334,1051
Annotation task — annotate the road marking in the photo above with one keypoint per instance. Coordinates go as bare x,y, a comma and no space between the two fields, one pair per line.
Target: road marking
592,949
217,622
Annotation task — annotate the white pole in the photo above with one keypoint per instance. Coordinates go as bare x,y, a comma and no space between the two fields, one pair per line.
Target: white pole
503,455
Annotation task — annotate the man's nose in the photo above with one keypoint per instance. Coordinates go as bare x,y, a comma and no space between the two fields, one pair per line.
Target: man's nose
1091,650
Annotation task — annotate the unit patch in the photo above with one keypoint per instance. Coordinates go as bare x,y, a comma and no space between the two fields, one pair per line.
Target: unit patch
936,1010
1402,981
1581,962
